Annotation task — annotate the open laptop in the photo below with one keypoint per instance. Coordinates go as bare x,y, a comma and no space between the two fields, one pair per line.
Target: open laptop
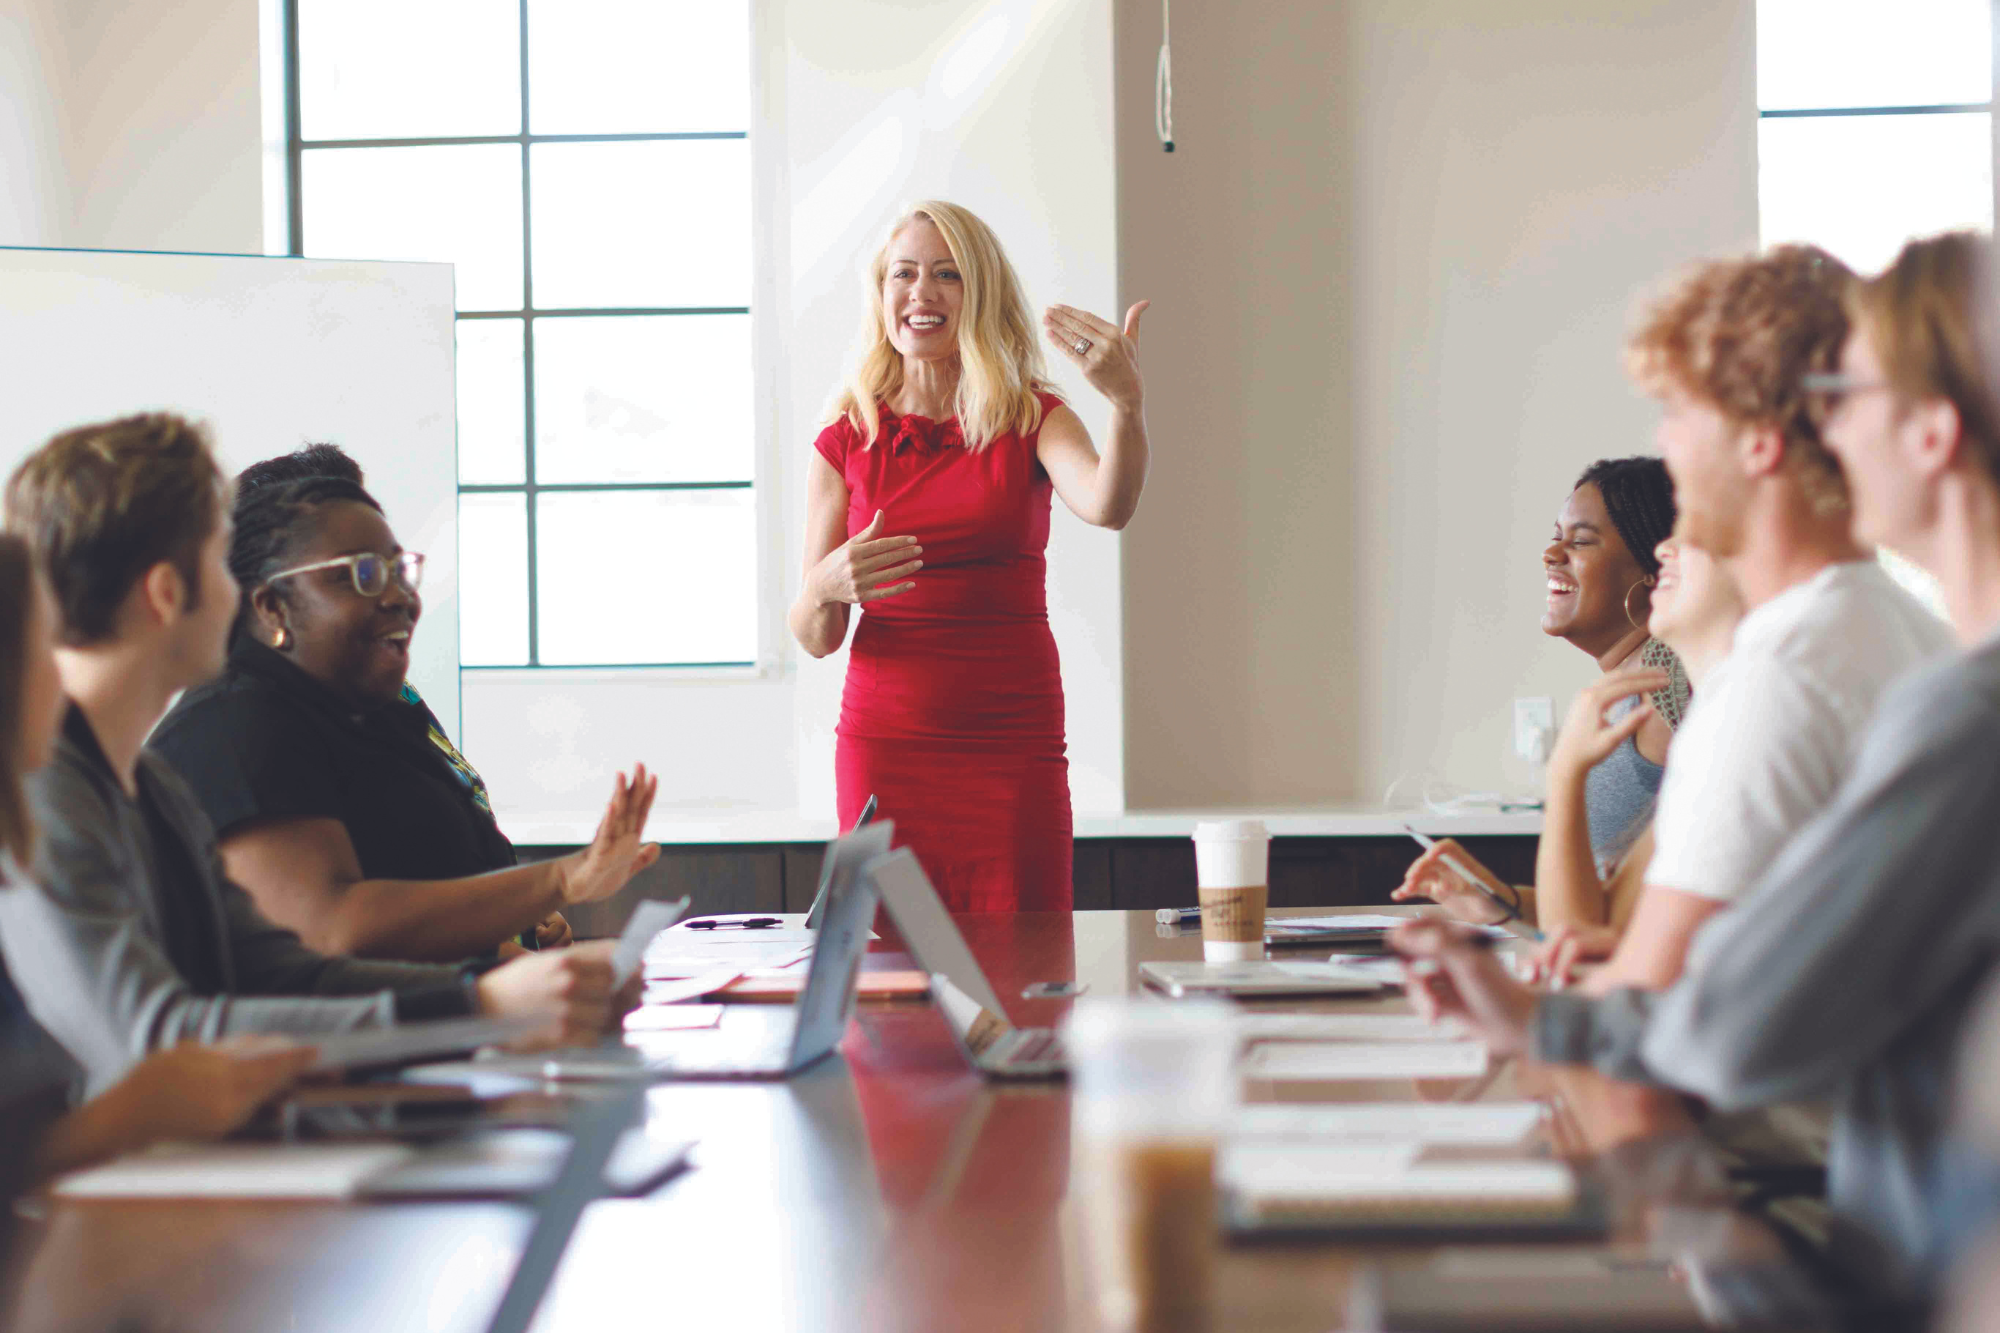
751,1041
874,845
977,1019
773,1041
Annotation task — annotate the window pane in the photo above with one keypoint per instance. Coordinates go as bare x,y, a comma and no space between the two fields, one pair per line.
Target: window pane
457,205
595,548
642,224
490,402
493,580
643,398
1863,185
391,69
1837,53
639,66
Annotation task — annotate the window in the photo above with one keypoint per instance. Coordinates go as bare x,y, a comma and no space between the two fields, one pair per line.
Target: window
1874,122
585,164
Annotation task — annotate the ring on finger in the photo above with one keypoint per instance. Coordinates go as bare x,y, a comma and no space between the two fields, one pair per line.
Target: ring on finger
1082,346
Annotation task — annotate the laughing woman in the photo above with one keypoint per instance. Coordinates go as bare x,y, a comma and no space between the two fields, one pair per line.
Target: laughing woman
1602,568
928,505
338,801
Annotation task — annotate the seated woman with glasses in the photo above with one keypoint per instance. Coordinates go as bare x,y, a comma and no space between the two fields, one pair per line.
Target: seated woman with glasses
338,801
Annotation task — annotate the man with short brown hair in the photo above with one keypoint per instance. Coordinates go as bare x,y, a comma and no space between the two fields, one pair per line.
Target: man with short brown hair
133,939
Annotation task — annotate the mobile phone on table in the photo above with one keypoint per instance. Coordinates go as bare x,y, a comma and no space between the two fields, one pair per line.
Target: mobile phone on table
1458,867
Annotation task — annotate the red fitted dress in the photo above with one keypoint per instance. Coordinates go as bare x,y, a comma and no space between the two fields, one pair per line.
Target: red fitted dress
953,711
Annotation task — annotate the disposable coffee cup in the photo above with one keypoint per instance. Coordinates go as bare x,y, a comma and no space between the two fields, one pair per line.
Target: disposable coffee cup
1232,861
1152,1086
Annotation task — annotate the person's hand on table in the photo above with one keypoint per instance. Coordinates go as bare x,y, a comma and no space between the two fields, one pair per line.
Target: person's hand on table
1587,738
619,850
204,1090
1555,962
1107,355
1448,975
573,988
1429,877
864,568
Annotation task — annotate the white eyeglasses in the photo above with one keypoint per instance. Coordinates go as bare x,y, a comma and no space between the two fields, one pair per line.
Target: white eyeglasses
370,572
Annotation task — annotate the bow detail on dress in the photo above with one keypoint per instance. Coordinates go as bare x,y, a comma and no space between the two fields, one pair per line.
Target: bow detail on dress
922,434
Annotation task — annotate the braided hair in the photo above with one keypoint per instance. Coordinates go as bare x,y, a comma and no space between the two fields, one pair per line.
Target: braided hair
275,502
1639,496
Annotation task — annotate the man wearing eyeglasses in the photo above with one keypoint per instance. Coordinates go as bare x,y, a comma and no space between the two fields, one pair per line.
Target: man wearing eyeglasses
133,939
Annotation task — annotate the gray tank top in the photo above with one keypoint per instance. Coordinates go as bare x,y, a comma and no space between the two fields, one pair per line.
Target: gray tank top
1619,794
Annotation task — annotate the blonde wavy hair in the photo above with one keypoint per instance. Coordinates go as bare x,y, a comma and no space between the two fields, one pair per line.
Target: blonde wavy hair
1000,360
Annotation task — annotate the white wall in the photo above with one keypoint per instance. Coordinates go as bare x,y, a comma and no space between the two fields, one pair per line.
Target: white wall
130,125
1395,254
34,187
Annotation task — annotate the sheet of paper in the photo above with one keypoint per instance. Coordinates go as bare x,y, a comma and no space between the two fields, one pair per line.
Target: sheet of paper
1240,1162
648,920
407,1042
1316,1060
673,1017
1339,922
673,957
1351,1176
676,990
1252,1026
1478,1123
237,1171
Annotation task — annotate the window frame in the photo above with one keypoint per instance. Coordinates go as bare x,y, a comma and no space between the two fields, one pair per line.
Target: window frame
296,146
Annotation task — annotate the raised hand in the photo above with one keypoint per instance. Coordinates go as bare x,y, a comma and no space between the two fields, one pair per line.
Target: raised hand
1587,739
865,568
1107,355
1429,877
618,852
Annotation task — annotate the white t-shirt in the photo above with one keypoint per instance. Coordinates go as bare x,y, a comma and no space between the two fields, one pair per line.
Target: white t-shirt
1777,724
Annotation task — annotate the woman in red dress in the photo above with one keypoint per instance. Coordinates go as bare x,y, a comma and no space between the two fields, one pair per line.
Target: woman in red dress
928,504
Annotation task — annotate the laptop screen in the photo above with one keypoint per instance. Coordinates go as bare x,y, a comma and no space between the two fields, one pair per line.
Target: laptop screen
828,996
932,936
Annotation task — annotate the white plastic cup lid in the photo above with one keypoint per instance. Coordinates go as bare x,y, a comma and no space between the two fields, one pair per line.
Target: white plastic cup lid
1231,830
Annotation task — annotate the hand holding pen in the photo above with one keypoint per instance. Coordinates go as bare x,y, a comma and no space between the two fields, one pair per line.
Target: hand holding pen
1450,972
1445,875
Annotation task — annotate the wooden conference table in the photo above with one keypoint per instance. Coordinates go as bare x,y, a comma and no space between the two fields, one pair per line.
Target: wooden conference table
887,1189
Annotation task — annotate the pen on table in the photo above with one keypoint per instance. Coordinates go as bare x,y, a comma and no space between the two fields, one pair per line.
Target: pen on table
1177,916
752,923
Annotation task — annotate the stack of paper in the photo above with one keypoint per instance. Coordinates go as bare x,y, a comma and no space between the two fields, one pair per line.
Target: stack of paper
1321,1061
1461,1124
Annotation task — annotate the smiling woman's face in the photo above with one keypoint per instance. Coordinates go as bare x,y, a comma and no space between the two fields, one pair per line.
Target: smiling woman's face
923,293
357,646
1590,576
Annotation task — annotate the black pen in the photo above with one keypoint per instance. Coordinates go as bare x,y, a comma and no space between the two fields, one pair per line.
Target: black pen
751,923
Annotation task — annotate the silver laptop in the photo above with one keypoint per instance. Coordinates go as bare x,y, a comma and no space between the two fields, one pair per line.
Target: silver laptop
773,1041
752,1041
977,1019
869,843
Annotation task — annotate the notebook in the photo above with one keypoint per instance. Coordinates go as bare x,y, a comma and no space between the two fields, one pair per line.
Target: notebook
1314,1061
1282,1189
1255,979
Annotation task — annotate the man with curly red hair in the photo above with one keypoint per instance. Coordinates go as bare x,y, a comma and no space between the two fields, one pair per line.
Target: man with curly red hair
1727,352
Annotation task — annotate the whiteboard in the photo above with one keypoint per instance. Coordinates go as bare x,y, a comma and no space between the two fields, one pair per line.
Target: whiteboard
272,353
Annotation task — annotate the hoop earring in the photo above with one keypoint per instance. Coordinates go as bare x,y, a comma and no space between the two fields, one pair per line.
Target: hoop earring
1630,619
281,639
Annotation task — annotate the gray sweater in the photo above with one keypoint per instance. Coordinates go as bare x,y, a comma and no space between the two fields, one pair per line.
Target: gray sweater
1848,972
132,938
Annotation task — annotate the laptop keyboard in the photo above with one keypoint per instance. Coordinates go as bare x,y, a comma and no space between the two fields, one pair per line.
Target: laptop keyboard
1037,1046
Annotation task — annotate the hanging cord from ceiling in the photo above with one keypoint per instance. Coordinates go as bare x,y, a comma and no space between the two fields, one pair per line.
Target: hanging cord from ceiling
1163,81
